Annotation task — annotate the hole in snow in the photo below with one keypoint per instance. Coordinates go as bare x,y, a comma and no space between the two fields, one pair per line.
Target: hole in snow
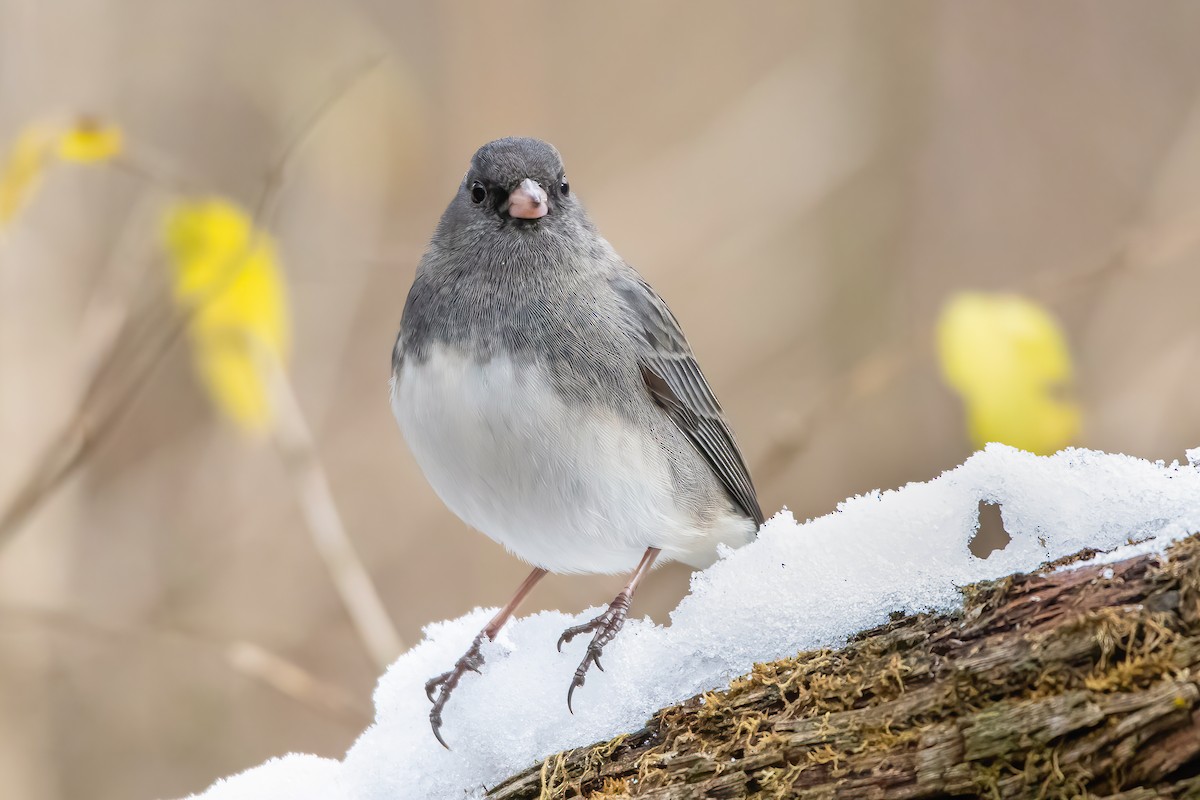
990,535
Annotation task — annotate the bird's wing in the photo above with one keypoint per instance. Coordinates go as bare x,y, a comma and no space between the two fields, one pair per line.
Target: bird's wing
398,353
679,388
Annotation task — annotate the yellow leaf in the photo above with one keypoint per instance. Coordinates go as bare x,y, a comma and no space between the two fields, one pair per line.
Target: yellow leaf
89,141
22,170
226,275
1008,360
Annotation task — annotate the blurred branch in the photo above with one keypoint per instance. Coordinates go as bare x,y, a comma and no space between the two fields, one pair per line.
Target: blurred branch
110,342
245,658
273,181
350,577
153,337
158,330
86,429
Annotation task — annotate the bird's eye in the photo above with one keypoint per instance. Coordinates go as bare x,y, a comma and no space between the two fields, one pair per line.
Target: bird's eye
478,193
564,188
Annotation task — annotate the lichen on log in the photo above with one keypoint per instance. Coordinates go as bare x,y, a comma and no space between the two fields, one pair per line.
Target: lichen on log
1077,683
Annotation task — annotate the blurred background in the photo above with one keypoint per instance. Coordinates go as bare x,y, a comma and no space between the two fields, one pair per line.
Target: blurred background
808,184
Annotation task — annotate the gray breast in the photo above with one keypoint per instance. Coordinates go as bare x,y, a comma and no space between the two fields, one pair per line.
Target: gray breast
532,306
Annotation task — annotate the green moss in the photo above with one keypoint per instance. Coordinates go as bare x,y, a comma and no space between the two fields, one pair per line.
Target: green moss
812,712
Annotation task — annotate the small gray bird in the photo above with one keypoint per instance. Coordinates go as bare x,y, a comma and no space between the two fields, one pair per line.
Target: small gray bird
552,401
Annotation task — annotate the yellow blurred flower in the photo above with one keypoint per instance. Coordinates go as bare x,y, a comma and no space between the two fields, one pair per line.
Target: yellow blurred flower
89,141
23,168
1008,360
227,276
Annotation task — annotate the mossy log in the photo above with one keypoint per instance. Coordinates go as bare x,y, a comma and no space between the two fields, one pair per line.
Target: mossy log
1078,683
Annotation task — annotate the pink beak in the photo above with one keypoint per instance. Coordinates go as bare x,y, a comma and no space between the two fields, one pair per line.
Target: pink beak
528,201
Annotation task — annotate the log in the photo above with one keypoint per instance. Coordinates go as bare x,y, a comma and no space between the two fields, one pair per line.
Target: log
1076,683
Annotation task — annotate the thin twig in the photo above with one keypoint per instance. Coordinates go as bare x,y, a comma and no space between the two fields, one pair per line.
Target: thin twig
93,420
274,177
350,577
246,658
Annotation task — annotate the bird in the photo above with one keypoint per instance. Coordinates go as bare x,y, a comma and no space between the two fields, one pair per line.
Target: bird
552,402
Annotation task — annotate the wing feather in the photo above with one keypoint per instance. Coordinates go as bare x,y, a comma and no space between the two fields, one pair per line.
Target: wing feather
678,386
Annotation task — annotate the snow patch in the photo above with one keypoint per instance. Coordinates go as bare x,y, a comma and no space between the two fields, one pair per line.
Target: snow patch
798,587
294,776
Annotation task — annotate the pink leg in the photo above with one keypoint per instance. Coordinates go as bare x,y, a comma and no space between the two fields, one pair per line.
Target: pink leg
472,660
607,625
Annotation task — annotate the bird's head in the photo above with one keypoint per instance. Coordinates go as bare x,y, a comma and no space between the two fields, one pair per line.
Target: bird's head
517,181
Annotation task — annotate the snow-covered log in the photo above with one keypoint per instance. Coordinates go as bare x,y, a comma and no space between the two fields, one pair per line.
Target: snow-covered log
970,678
1076,683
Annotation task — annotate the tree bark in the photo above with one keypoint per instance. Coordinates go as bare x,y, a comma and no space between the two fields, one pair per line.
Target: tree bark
1080,683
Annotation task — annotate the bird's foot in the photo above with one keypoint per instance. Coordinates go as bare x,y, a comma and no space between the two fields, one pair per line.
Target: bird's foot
438,689
604,628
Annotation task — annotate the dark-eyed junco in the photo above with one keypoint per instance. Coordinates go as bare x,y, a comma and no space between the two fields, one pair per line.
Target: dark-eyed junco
552,401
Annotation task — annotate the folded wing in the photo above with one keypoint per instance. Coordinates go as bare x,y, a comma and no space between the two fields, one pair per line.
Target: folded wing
677,385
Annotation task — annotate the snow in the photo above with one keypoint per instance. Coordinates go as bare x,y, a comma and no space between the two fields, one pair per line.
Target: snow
294,776
798,587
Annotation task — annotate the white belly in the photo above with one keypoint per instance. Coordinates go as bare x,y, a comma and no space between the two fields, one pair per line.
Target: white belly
564,488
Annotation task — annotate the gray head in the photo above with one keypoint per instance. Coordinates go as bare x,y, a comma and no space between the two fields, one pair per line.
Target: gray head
513,235
515,184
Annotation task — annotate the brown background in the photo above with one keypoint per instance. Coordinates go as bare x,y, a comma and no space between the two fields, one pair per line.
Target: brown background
805,183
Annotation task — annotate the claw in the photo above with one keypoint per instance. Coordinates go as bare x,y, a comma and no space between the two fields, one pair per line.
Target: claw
435,721
603,628
438,689
570,692
444,684
571,633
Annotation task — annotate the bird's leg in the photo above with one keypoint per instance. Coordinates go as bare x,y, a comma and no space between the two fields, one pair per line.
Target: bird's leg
438,689
605,626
